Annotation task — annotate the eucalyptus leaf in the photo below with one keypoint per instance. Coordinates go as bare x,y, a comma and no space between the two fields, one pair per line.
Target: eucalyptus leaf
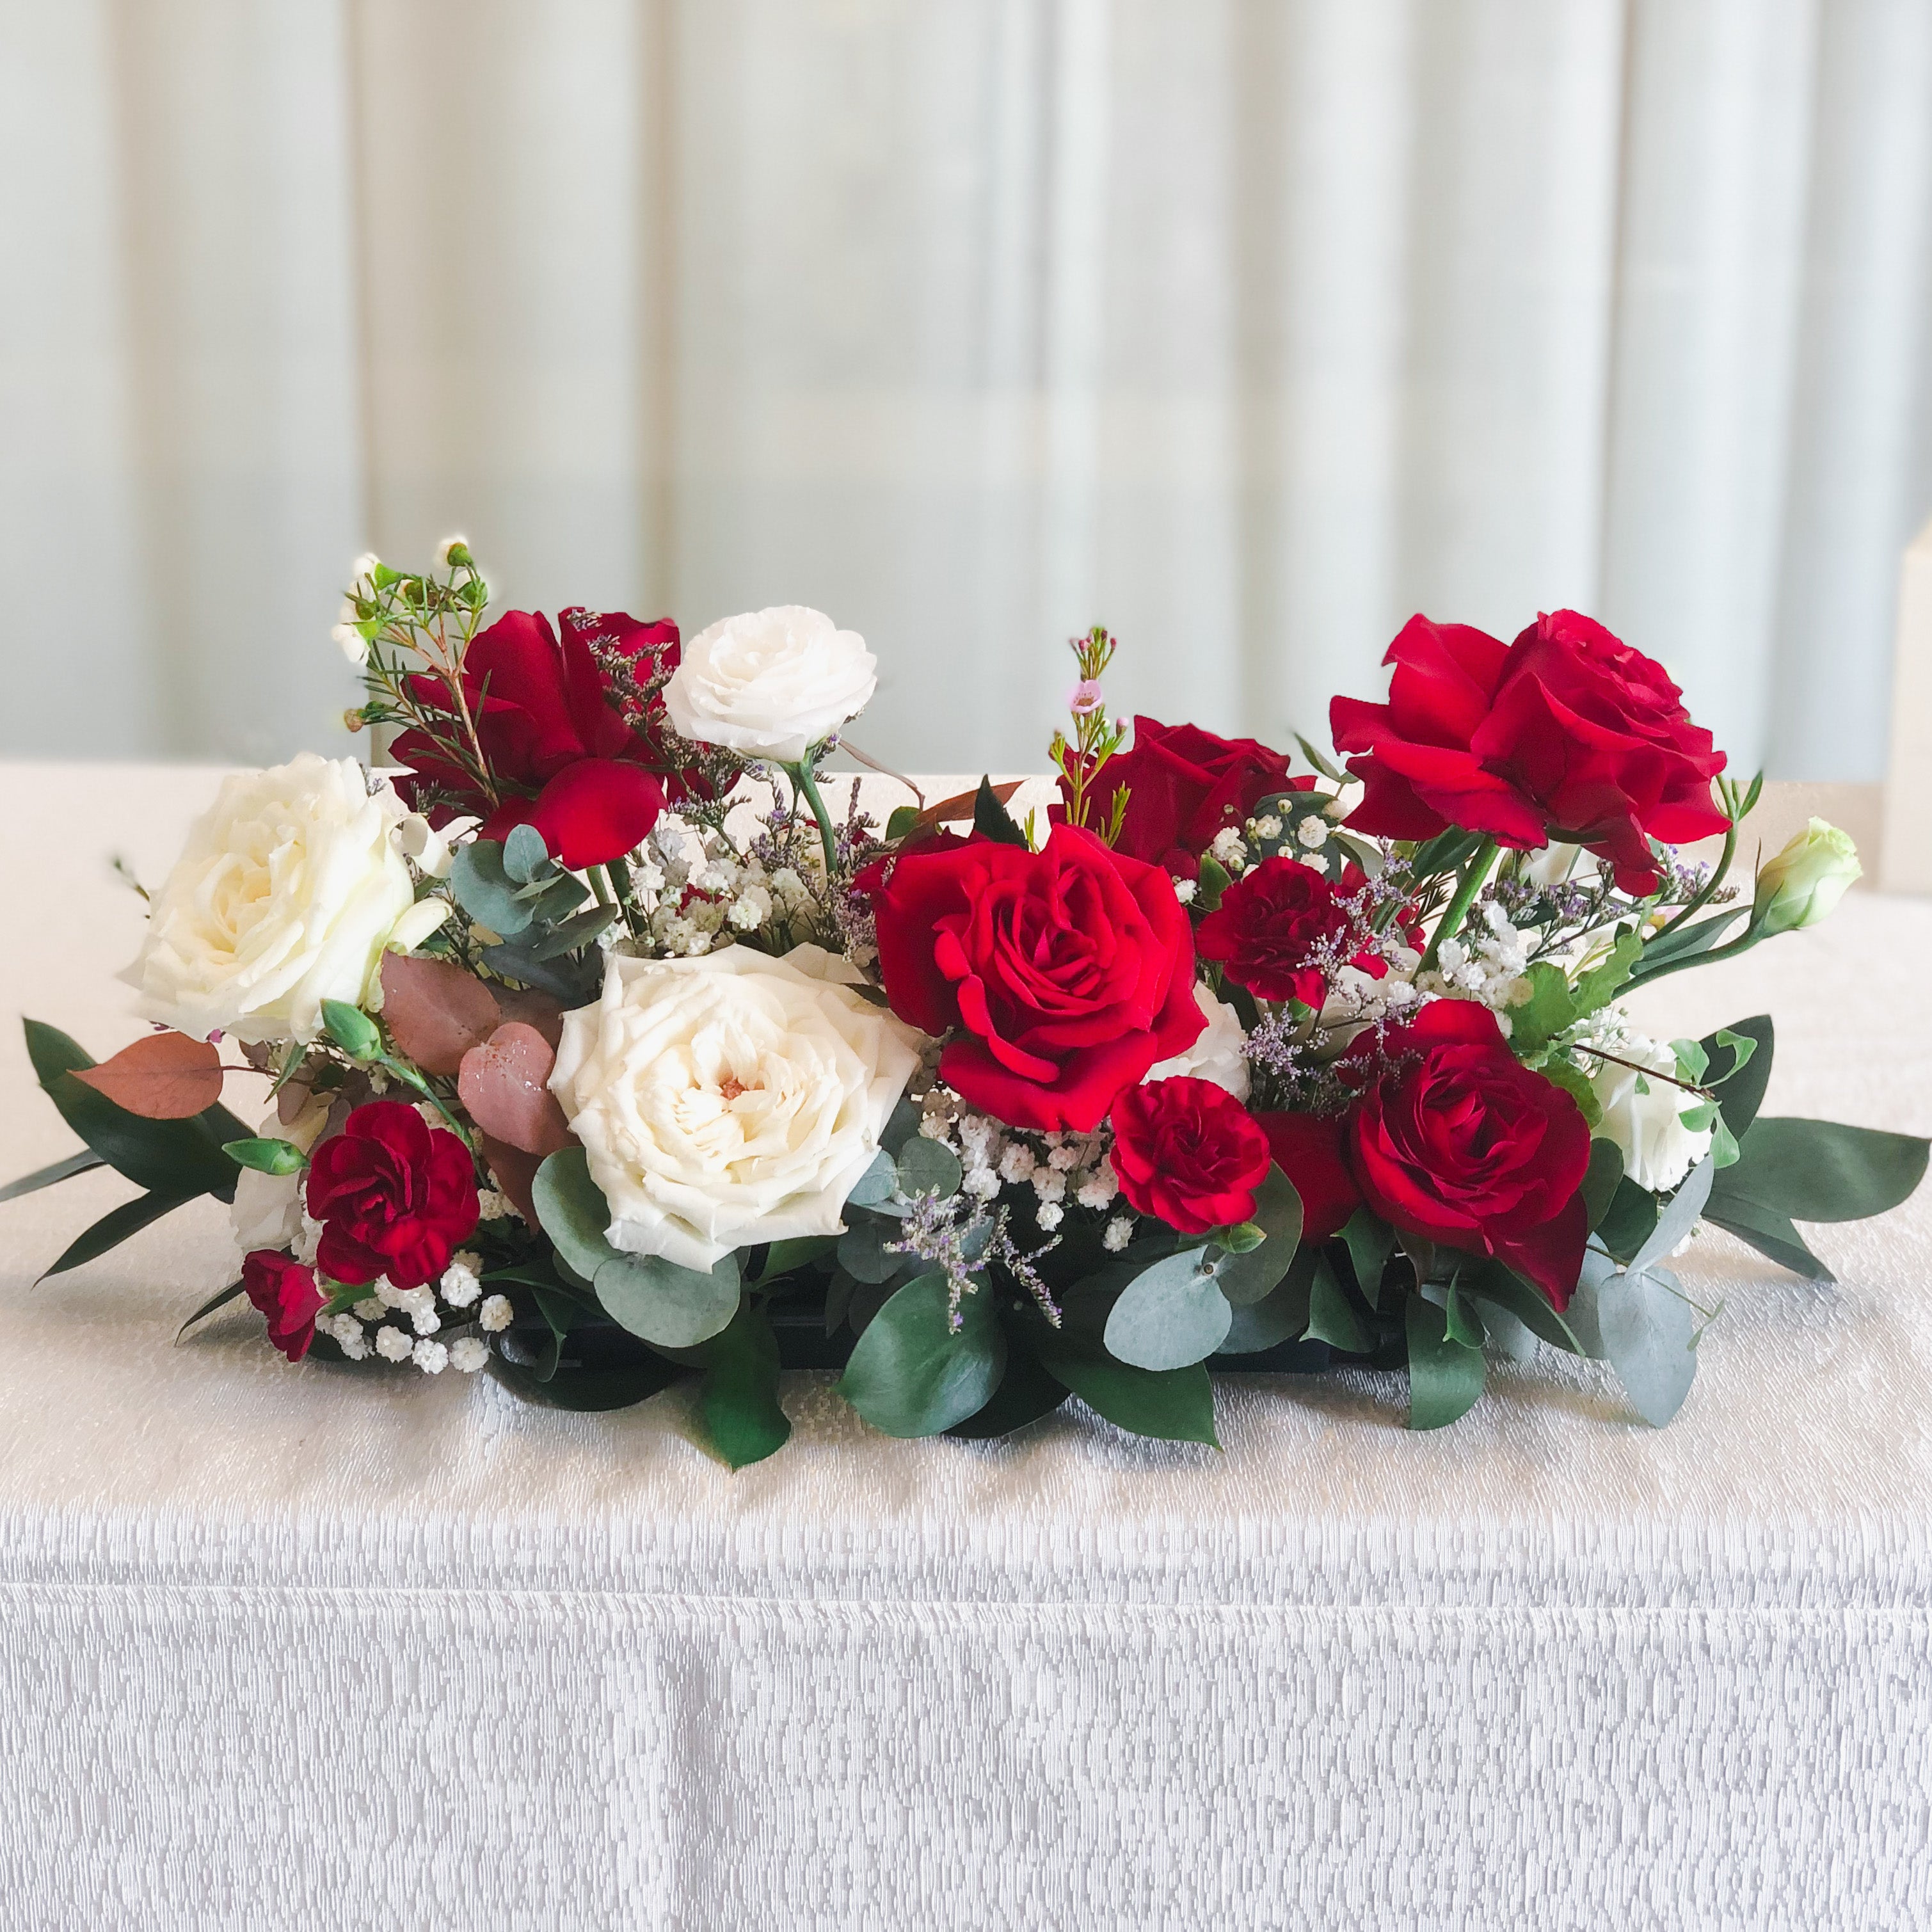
1496,1287
1679,1216
877,1184
911,1373
518,963
524,855
1280,1316
484,891
572,1211
784,1258
862,1253
903,1123
677,1307
1248,1276
928,1167
1170,1315
573,933
1171,1405
1647,1331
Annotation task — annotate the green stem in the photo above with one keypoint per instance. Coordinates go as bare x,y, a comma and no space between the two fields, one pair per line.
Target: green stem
621,891
1711,885
1481,860
410,1077
801,776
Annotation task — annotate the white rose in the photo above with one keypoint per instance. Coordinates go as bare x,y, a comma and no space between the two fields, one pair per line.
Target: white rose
728,1100
288,891
1642,1117
1217,1055
770,684
267,1211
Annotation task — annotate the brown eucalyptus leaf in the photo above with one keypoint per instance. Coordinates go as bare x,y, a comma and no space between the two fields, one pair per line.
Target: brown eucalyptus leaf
514,1172
162,1076
435,1012
540,1010
502,1083
961,806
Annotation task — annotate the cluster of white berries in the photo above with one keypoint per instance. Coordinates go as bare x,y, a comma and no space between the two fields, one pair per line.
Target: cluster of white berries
705,894
1492,970
375,1323
1061,1169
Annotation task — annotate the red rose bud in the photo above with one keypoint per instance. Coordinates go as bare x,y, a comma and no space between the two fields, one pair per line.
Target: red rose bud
396,1197
285,1293
1310,1150
1567,732
1069,971
1184,785
1187,1151
1268,922
1462,1145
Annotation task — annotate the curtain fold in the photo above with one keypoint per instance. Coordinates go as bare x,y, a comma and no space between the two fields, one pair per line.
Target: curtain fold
1246,327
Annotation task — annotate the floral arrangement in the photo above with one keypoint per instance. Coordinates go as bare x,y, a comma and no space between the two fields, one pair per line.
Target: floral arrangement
600,1052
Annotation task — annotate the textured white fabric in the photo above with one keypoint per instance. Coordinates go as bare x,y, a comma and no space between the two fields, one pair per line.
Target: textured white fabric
1247,327
307,1648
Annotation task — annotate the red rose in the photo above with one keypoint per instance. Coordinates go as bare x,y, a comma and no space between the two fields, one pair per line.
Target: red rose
1462,1144
1184,785
396,1197
285,1293
1188,1152
1309,1151
1269,922
1567,733
1070,970
561,756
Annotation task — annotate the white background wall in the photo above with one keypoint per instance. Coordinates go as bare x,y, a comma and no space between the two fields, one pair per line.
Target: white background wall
1247,329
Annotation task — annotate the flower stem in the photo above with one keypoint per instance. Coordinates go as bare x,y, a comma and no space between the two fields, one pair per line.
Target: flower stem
1447,927
802,777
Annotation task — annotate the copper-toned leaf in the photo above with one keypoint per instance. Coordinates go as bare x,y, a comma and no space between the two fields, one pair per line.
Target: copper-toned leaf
164,1076
435,1012
952,811
514,1172
503,1085
544,1011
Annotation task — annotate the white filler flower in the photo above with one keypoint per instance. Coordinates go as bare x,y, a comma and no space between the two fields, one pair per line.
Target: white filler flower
288,890
1641,1114
728,1100
770,684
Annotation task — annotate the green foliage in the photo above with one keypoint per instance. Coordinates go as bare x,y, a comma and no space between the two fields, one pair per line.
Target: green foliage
1331,1315
738,1399
1281,1315
1821,1170
587,1389
1371,1242
484,889
1649,1334
1169,1314
911,1373
220,1299
928,1167
1247,1273
85,1162
862,1251
903,821
115,1227
991,819
1492,1284
1026,1393
1628,1221
1556,1004
1445,1376
1605,1177
1172,1405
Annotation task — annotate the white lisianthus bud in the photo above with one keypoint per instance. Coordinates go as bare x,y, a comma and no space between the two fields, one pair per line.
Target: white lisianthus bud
770,684
433,851
1801,885
288,892
1642,1115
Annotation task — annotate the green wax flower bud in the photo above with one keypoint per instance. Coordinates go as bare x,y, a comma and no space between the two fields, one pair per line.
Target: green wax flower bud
1801,885
352,1030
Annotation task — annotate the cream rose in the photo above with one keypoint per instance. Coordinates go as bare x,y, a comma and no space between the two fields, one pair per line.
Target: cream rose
1643,1117
770,684
288,892
728,1100
1217,1055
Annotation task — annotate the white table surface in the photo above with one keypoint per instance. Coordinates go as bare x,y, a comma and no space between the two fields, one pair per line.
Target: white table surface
299,1646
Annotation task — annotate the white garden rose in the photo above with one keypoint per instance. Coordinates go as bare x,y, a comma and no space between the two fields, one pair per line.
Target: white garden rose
728,1100
1643,1116
1217,1054
287,893
770,684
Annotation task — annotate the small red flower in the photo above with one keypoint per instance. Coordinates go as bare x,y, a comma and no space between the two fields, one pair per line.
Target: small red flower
286,1295
1269,922
395,1196
1187,1151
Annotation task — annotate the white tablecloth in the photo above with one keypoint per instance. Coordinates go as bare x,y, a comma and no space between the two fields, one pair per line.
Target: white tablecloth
305,1648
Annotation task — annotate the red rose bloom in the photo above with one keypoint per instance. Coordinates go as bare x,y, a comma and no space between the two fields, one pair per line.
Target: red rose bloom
1269,921
1310,1150
1462,1144
1567,733
561,755
396,1197
1184,785
1188,1152
1070,970
285,1293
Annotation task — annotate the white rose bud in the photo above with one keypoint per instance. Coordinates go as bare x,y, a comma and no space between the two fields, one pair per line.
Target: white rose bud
770,684
1642,1115
1802,885
289,891
729,1099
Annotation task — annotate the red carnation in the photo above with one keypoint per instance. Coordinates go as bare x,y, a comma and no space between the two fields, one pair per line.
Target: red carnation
396,1197
1567,733
1184,786
560,753
1310,1149
1269,921
285,1293
1069,971
1187,1151
1460,1143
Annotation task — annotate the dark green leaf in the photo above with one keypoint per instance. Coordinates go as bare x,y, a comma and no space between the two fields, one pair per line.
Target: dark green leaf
485,891
1489,1281
587,1390
554,899
1741,1076
1605,1177
573,933
900,1128
1326,766
1331,1316
1025,1393
912,1374
1561,1072
738,1399
1371,1244
1771,1234
1171,1405
1445,1376
785,1258
219,1300
862,1253
1821,1170
114,1227
1249,1276
1632,1214
516,963
1281,1315
1684,943
1169,1314
83,1163
991,819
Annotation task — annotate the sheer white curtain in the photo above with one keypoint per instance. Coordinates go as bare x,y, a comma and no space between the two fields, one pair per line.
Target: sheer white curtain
1245,326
